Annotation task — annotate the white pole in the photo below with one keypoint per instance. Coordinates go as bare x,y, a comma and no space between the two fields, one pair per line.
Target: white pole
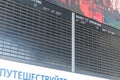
73,42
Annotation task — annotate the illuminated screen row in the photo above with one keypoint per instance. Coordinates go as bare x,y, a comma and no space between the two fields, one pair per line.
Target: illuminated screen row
104,11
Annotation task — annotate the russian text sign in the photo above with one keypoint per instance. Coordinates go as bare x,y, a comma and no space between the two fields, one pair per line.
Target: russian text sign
18,71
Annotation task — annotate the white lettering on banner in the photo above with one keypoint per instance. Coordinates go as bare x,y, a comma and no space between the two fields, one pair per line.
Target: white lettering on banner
18,71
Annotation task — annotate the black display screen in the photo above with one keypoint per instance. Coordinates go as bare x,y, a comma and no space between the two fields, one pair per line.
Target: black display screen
36,32
96,46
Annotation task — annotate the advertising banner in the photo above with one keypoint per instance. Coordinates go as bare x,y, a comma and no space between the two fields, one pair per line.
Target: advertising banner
18,71
104,11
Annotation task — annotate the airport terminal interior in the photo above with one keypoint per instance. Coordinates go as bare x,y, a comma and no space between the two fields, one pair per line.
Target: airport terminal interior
83,35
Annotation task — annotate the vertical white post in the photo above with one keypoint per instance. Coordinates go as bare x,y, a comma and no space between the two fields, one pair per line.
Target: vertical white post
73,42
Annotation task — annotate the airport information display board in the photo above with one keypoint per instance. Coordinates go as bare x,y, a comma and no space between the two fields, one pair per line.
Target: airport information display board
36,31
40,32
104,11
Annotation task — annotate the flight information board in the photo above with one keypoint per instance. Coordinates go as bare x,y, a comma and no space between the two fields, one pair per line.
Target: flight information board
35,32
38,32
96,47
104,11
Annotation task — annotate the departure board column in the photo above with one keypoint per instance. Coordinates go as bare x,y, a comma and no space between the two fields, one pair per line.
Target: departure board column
96,46
36,32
